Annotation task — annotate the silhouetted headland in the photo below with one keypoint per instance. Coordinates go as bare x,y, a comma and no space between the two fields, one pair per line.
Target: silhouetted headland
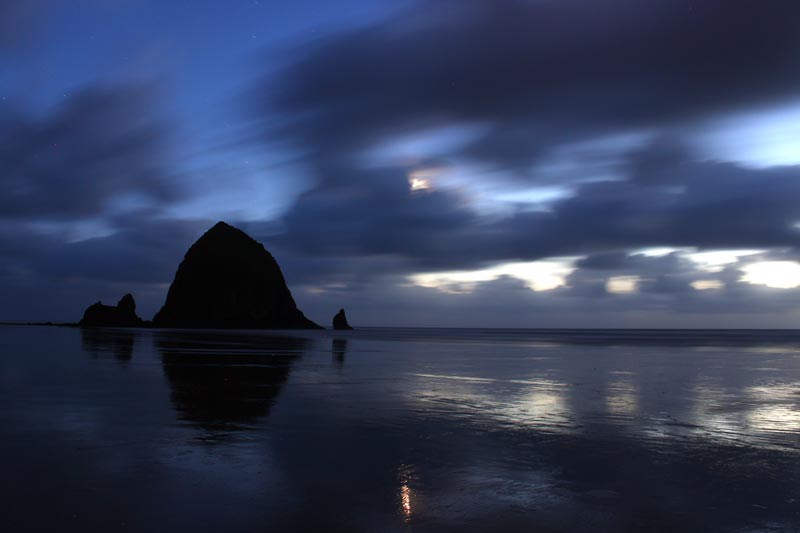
340,321
121,315
227,279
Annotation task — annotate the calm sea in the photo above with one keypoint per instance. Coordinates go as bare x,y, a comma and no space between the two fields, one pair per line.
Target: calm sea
399,430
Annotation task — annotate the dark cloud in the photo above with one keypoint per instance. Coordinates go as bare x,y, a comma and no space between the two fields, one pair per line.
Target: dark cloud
678,202
665,283
101,150
703,204
670,274
377,216
532,77
539,73
141,249
47,277
84,191
603,261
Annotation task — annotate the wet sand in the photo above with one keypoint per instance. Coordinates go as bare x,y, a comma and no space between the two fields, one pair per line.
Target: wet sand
399,429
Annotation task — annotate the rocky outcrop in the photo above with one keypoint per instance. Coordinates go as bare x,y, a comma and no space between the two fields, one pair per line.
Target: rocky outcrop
229,280
123,315
340,320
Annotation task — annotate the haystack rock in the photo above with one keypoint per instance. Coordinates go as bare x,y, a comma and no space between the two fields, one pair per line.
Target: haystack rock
123,315
340,320
229,280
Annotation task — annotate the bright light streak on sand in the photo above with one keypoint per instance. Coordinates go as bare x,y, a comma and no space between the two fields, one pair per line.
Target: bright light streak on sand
622,399
406,494
775,408
709,410
405,501
541,405
775,274
540,402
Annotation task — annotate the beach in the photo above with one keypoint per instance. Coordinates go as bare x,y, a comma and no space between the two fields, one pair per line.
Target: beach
388,429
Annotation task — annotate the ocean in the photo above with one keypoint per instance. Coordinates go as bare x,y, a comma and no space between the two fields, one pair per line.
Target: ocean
399,430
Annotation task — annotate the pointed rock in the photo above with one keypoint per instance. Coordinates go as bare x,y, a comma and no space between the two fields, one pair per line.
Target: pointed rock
123,315
340,320
127,304
229,280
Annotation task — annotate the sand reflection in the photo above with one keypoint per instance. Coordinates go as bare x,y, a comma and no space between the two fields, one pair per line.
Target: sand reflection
406,496
776,408
543,405
714,411
622,399
109,342
536,402
226,381
757,415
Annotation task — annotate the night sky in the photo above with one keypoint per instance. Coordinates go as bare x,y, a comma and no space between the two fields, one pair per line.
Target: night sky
498,163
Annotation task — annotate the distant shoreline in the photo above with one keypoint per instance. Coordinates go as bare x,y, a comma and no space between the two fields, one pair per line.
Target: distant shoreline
457,328
57,324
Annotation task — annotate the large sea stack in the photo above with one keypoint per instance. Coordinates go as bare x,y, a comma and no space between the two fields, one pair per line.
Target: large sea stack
229,280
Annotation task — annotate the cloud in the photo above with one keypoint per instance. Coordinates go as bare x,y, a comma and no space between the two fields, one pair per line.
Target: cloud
678,202
85,190
142,249
45,278
375,231
536,76
100,151
537,73
664,297
507,302
377,216
522,83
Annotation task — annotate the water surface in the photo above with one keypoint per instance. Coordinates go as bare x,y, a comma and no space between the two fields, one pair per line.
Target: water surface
399,429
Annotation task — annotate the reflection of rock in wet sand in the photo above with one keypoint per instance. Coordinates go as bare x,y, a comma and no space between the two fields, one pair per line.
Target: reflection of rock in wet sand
116,343
222,381
339,350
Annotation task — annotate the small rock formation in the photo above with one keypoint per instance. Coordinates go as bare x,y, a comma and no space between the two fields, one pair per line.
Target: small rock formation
340,321
123,315
229,280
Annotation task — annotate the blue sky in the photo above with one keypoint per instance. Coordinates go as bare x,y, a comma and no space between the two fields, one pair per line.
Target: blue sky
501,163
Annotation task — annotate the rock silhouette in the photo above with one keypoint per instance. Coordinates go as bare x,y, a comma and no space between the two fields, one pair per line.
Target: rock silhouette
121,315
339,350
101,343
340,321
229,280
225,381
